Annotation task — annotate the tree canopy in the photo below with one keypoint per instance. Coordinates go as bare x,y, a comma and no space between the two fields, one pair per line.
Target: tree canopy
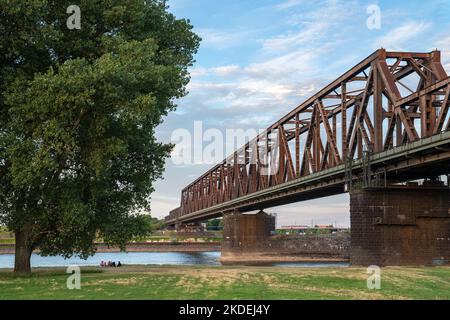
78,112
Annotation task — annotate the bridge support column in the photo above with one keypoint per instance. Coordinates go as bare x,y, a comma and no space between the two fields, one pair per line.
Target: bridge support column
397,226
245,236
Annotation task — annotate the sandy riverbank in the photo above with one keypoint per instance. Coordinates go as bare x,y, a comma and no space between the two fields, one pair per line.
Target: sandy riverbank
255,259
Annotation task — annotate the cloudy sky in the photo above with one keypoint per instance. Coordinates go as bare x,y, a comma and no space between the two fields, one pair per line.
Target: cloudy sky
261,58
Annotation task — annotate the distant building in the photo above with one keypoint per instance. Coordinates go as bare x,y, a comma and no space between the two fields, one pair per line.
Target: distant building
310,230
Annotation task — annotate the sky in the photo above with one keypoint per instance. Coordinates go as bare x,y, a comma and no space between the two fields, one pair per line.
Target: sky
259,59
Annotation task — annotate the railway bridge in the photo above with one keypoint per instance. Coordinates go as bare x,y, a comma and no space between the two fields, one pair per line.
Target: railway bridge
381,131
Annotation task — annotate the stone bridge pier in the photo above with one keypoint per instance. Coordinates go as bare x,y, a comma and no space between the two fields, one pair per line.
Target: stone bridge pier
246,235
397,226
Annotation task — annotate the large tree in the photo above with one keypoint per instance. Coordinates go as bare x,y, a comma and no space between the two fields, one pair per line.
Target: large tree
78,111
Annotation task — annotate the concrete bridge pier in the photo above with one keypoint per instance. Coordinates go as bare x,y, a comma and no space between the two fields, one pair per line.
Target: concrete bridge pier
245,236
398,226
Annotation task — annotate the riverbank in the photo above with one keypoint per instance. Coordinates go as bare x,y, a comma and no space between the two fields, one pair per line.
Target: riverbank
212,283
287,249
267,259
146,247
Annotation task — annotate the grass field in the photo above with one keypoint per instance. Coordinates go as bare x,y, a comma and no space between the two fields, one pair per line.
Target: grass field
241,283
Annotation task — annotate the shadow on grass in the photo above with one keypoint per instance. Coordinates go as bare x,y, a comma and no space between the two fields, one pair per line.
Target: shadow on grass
43,273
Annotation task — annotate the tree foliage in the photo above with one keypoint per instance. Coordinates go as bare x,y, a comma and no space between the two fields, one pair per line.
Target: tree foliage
214,224
78,111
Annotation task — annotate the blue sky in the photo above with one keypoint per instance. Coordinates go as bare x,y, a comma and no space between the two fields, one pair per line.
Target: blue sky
261,58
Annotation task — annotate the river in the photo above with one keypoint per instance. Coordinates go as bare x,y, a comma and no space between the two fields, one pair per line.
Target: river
144,258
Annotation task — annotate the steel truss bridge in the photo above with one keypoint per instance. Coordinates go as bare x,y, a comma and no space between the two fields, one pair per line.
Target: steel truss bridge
385,119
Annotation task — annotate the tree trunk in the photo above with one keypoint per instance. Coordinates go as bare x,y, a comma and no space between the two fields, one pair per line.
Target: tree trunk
22,262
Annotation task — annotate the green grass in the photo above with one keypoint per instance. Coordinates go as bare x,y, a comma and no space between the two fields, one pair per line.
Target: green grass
7,241
4,233
228,283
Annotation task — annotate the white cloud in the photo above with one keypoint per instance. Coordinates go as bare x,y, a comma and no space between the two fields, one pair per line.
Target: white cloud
311,28
222,39
283,43
162,204
284,71
400,38
286,65
333,12
289,4
198,72
226,70
274,85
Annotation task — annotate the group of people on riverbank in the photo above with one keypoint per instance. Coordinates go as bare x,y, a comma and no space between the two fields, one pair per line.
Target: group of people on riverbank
110,264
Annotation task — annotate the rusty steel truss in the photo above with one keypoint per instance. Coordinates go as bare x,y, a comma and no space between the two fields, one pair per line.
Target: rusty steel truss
388,100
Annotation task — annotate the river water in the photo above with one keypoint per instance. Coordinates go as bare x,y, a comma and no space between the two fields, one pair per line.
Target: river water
132,258
144,258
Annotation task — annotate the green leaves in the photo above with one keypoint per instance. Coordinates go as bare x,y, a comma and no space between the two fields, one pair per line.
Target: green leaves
78,111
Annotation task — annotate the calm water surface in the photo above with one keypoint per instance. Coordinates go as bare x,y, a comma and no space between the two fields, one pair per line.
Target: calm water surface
132,258
146,258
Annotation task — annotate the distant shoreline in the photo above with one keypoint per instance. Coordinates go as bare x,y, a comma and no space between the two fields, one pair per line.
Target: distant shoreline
145,247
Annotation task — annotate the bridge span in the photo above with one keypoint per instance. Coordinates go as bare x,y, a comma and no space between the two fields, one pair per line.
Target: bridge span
381,125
